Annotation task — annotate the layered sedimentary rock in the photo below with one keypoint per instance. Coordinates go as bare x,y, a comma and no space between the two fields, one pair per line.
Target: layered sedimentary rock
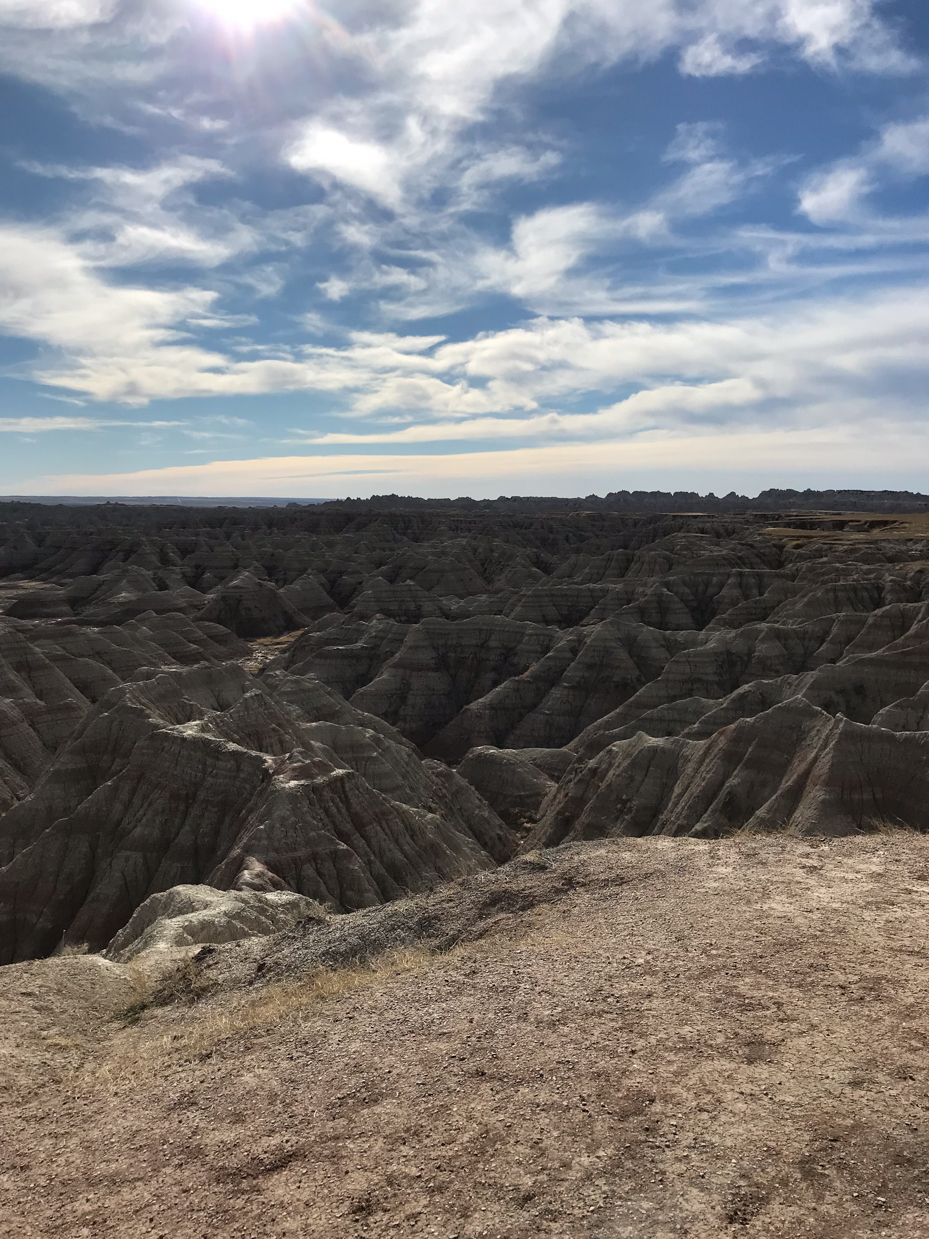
341,704
52,674
250,607
202,775
792,767
194,916
509,781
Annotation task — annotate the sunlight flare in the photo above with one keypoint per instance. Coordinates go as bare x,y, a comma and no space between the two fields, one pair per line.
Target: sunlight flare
245,14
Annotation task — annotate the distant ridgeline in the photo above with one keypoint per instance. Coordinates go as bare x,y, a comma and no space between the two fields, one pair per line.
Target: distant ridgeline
159,511
637,501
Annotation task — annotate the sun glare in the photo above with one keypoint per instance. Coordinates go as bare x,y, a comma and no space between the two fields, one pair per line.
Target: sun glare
244,14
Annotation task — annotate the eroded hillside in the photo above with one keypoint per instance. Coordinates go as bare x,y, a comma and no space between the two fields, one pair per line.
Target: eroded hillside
351,705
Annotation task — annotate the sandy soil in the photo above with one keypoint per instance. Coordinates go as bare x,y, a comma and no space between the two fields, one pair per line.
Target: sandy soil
686,1038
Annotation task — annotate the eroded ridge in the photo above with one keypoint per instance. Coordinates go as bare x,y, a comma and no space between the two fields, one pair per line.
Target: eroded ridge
353,703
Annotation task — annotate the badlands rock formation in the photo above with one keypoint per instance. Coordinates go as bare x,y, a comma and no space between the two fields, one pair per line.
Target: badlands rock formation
344,704
195,916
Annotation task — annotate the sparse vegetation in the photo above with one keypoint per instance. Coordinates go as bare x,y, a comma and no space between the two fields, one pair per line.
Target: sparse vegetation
185,982
656,1036
283,999
886,826
200,1032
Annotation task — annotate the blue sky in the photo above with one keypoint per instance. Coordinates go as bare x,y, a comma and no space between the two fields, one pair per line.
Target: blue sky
462,246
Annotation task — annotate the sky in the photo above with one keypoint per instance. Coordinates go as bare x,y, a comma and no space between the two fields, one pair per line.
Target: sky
446,247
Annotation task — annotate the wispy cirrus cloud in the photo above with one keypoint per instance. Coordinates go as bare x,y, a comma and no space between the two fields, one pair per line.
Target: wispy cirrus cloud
56,14
841,194
384,212
564,259
749,459
834,356
134,216
49,425
440,70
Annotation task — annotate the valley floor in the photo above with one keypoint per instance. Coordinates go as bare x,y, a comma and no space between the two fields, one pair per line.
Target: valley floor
631,1038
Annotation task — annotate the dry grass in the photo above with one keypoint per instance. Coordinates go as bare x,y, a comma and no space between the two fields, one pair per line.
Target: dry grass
884,826
746,834
185,982
284,999
71,949
693,1039
197,1033
875,826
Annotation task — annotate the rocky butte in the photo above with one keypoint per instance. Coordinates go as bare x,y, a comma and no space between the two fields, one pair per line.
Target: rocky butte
519,867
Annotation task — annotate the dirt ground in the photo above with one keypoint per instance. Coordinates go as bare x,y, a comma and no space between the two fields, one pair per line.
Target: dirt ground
662,1038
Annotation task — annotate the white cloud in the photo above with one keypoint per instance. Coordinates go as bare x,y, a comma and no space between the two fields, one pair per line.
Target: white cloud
838,194
111,336
825,30
429,68
397,155
31,425
813,362
118,342
453,55
905,146
560,259
703,189
49,293
334,289
544,247
632,415
695,142
824,456
45,425
55,14
712,180
401,167
440,70
835,196
144,215
364,164
708,58
490,167
84,48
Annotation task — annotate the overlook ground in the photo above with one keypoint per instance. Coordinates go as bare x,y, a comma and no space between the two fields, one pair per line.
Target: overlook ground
653,1037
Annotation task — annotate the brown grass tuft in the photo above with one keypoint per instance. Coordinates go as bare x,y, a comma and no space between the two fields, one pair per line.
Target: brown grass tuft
183,983
72,948
283,999
199,1032
783,831
884,826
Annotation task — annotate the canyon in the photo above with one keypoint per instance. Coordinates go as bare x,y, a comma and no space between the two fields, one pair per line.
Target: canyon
356,705
514,868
